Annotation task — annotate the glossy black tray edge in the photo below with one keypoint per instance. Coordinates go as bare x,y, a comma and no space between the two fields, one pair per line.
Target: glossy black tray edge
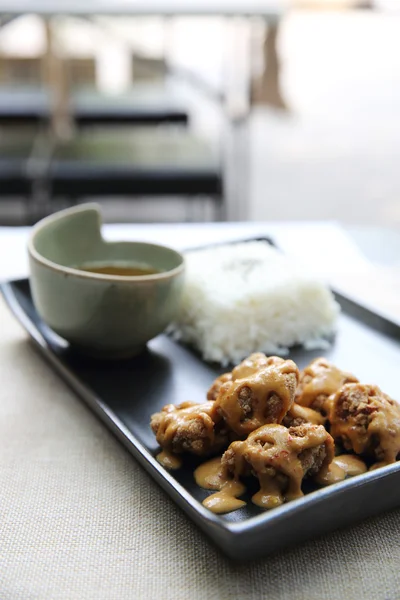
345,503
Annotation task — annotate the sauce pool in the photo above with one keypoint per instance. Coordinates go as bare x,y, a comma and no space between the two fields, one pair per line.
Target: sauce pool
169,460
211,476
341,467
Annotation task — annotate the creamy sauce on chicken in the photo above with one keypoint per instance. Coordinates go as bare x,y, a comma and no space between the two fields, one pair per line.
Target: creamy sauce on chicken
333,474
270,493
281,452
385,425
263,397
367,421
211,476
353,465
169,460
341,467
319,380
279,441
308,415
182,418
214,390
377,465
254,363
275,456
226,499
189,427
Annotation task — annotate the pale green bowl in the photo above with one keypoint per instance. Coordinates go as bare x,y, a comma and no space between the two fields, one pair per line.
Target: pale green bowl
104,315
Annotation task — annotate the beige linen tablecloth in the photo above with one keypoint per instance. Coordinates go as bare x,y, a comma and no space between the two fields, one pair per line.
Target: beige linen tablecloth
81,519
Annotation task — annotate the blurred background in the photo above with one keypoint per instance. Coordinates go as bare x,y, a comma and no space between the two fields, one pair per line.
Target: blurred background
173,110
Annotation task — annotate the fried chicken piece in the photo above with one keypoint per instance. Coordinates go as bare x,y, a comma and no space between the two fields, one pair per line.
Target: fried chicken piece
318,381
217,384
263,397
280,458
297,415
250,365
254,363
366,421
190,427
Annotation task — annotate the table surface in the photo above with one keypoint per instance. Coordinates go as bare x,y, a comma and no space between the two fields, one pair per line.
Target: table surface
80,519
265,8
335,247
324,247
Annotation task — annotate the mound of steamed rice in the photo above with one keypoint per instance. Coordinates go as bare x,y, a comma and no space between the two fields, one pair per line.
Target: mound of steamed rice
248,297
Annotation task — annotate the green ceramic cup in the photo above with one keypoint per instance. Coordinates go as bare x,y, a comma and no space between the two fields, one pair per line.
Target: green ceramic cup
109,316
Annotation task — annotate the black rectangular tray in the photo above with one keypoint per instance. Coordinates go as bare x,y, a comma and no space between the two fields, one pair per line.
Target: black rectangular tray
124,394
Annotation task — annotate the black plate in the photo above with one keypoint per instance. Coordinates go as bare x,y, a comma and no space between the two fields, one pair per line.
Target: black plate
124,395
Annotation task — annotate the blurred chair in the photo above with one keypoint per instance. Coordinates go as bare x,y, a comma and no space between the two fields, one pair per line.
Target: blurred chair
143,162
24,160
142,105
31,106
23,107
16,148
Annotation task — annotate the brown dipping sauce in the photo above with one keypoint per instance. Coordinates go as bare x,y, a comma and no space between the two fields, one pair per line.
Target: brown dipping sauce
131,271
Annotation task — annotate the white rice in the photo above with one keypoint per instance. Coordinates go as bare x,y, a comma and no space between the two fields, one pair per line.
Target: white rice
248,297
